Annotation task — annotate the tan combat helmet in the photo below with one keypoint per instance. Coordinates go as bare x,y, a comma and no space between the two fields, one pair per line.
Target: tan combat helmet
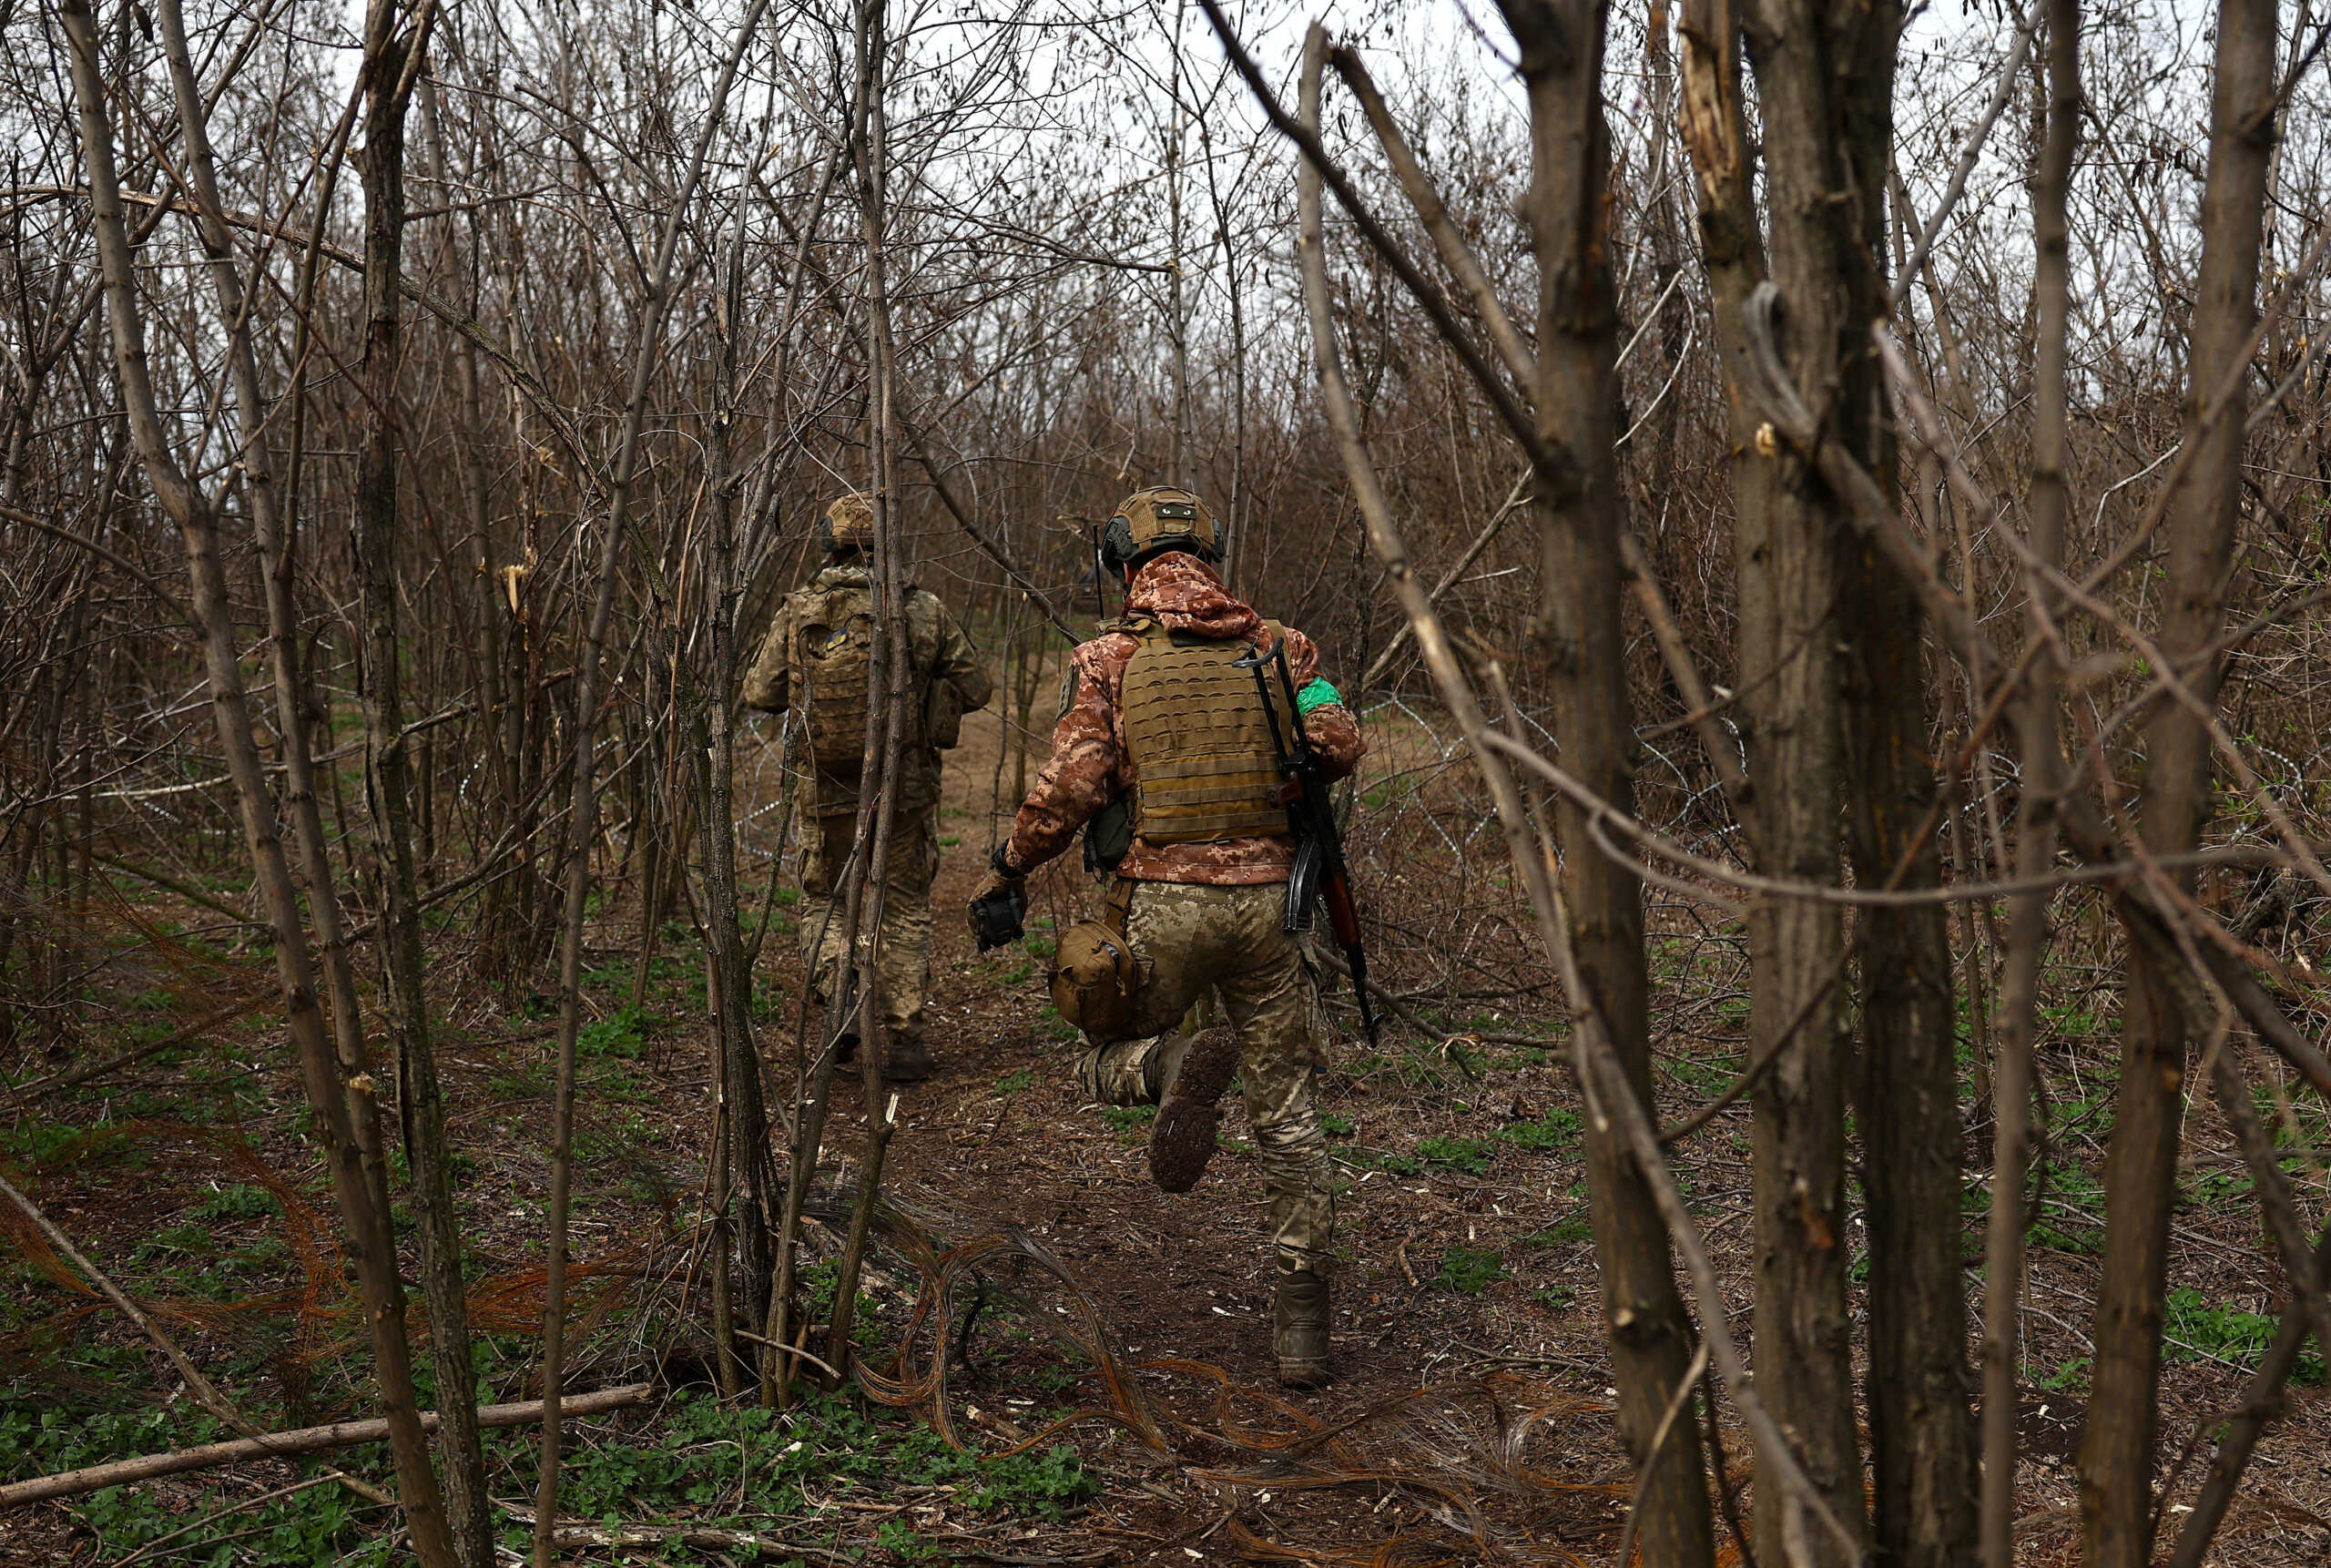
848,525
1151,521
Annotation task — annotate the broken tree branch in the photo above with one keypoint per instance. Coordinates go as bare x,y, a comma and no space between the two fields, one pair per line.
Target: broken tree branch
289,1445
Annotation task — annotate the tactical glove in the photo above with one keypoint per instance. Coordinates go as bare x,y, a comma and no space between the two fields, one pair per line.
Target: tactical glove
999,905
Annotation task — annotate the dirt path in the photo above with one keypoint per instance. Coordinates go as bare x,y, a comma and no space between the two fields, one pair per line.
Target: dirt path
1471,1399
1000,1131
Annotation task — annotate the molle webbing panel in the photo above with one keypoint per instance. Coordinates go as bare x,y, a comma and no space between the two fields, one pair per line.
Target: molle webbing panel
833,645
1203,763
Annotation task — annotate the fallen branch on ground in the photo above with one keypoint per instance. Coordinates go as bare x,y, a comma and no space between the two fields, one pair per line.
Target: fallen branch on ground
618,1536
205,1392
570,1536
287,1444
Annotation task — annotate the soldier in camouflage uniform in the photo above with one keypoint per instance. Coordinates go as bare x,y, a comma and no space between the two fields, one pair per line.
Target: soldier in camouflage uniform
1155,716
814,660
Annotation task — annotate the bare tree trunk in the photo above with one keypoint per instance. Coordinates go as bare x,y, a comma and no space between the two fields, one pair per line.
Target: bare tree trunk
1234,514
1823,78
1581,525
1658,219
1923,1432
1715,125
342,1104
888,679
2044,784
583,800
743,1134
389,72
1182,459
2116,1456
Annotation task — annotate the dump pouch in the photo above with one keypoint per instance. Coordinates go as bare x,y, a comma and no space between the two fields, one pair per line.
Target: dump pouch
1095,977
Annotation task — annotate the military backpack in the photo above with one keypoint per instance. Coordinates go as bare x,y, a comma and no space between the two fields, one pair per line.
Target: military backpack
832,650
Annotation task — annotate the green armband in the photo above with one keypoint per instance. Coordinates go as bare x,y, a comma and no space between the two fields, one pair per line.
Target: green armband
1315,693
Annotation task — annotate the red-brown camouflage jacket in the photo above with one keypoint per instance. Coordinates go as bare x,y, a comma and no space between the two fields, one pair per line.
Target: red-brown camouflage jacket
1090,767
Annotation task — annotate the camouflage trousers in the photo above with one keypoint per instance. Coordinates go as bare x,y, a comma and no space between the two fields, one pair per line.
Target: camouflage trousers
1192,940
903,972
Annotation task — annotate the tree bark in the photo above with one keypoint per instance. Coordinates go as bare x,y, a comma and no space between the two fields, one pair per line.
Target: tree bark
342,1103
2117,1455
888,677
1922,1431
1825,85
388,788
742,1138
1583,644
2042,788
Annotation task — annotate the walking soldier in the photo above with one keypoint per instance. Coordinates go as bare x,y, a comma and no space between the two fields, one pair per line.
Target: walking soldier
1166,747
815,661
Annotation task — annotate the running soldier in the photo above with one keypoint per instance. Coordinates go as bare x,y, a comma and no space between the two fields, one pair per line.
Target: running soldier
1158,722
814,661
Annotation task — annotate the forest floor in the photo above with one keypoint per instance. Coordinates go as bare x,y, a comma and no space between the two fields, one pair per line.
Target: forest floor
1470,1415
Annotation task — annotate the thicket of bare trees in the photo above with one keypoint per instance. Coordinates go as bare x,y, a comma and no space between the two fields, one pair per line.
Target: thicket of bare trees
1919,424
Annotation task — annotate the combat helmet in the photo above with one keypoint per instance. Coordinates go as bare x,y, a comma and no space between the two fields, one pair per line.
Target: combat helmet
1148,522
848,523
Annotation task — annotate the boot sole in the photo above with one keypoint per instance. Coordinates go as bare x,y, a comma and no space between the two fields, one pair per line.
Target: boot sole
1181,1142
901,1068
1304,1375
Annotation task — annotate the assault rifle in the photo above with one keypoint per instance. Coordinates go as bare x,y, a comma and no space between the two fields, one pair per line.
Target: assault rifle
1319,871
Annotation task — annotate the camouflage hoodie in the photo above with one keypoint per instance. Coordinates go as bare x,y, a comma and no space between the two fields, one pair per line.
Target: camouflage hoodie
1090,767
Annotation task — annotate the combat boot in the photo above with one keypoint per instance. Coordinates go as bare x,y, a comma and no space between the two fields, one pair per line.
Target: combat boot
1181,1140
906,1060
1299,1327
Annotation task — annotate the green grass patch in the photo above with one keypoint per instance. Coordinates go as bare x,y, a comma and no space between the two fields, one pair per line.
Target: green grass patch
240,1200
176,1243
2193,1327
2072,1378
1557,1129
766,1462
1563,1232
1470,1156
2067,1214
1469,1271
621,1034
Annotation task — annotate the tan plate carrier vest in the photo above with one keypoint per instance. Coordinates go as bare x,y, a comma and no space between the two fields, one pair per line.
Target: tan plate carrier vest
1204,770
1203,766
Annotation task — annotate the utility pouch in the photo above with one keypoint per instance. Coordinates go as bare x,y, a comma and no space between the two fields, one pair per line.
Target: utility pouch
1095,978
1108,837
